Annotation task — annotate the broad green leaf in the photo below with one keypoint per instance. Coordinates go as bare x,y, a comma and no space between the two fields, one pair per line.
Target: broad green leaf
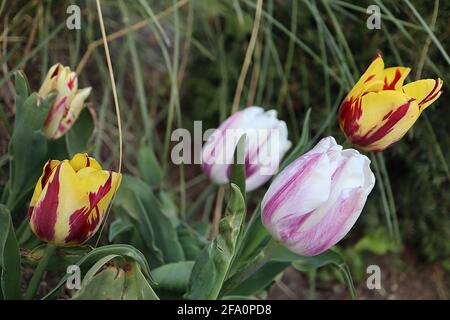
304,264
213,264
148,165
63,257
260,280
238,166
9,257
255,239
115,277
122,250
22,88
78,138
138,200
27,148
107,285
302,143
117,227
139,217
173,277
192,241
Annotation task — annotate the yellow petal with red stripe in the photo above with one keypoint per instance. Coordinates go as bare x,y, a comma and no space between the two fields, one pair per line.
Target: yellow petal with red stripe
46,172
72,204
394,77
371,80
385,118
425,91
82,160
379,109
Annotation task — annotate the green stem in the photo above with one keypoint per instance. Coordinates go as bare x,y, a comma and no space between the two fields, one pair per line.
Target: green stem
38,273
264,257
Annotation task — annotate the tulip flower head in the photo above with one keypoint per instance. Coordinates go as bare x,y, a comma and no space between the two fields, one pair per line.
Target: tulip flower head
314,202
68,103
267,142
70,200
380,109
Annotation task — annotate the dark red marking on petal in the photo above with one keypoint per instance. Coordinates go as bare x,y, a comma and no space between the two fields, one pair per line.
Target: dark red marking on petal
391,85
387,115
375,135
350,112
54,109
432,94
80,227
369,78
47,172
70,82
43,217
55,72
88,162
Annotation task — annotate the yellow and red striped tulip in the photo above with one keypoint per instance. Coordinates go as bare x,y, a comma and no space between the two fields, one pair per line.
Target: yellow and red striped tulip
70,200
68,103
380,109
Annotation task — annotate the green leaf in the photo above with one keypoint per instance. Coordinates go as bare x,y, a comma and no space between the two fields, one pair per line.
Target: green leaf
255,239
122,250
115,277
78,138
63,257
22,88
302,143
148,165
117,227
173,277
260,280
304,264
138,201
192,241
212,266
238,166
9,257
27,148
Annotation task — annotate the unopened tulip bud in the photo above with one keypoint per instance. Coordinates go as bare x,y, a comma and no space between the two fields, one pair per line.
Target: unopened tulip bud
68,103
314,202
267,142
70,200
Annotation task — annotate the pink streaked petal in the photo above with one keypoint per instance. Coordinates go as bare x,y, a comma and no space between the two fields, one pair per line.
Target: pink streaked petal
307,178
337,222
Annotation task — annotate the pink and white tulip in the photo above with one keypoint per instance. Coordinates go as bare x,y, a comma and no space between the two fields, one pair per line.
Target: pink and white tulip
68,103
315,201
267,142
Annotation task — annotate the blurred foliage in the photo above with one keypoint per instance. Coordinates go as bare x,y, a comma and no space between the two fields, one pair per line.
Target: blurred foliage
306,56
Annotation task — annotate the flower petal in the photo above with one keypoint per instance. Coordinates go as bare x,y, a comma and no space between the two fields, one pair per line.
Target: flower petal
371,80
82,160
385,118
425,91
394,77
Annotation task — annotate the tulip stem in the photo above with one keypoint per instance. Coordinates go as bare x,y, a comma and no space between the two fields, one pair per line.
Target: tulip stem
39,272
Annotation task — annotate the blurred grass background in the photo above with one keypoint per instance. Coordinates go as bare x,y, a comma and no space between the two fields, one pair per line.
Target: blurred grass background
180,61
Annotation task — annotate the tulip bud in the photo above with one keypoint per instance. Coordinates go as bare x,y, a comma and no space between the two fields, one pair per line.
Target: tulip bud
70,200
380,109
267,142
68,103
313,203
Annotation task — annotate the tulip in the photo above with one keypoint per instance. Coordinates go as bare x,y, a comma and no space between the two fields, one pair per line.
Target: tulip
267,142
314,202
380,109
68,103
70,200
